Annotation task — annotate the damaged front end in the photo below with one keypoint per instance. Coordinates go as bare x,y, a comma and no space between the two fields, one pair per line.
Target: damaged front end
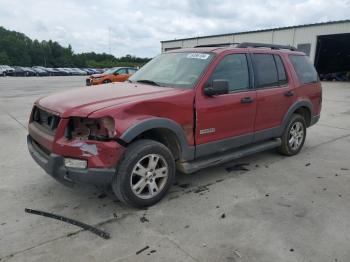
79,149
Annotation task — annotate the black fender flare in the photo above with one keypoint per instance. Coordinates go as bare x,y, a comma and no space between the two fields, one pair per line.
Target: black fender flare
187,152
293,108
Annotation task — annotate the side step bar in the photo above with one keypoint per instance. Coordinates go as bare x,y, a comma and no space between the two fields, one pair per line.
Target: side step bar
217,159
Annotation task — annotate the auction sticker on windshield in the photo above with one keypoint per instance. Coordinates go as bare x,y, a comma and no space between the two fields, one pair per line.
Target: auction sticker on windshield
198,56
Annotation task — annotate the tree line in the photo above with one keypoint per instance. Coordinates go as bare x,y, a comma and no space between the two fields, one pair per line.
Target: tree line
18,49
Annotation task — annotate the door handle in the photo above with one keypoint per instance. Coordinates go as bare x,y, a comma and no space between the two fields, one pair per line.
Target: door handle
289,93
247,100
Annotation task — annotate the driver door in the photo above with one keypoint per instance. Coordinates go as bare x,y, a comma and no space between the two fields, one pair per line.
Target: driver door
226,121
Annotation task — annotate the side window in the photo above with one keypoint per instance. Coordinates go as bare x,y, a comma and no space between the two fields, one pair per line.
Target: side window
265,68
122,71
282,76
132,71
304,69
234,69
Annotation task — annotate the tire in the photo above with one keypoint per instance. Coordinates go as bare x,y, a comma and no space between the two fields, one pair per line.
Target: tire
134,170
107,81
295,129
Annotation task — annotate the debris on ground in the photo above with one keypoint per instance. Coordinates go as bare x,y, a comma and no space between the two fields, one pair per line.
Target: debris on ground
217,206
291,250
344,168
184,185
141,250
219,180
223,215
84,226
102,195
173,197
187,226
204,245
307,164
115,215
237,253
267,195
201,189
238,167
144,219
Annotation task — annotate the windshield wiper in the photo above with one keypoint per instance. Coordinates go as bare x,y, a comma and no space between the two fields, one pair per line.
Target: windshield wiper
146,81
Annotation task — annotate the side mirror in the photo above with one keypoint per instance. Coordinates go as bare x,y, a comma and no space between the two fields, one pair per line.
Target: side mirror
216,87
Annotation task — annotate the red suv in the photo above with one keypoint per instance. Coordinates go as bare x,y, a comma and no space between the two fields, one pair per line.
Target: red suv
185,110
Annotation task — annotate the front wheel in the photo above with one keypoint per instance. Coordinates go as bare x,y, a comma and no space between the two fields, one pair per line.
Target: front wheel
294,135
107,81
145,173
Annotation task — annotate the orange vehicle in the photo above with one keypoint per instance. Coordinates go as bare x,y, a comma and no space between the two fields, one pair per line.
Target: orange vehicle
115,74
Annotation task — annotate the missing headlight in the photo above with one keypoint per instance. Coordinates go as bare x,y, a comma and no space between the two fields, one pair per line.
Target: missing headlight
90,128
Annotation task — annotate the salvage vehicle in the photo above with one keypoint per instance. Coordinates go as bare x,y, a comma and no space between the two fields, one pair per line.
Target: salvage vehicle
185,110
116,74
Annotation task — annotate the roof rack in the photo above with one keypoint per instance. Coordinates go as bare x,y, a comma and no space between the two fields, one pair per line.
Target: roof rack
258,45
254,45
217,45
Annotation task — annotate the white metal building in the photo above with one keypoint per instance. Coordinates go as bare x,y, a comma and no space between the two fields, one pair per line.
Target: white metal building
327,44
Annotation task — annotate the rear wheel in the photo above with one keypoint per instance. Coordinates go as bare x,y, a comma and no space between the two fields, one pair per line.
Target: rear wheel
294,135
144,174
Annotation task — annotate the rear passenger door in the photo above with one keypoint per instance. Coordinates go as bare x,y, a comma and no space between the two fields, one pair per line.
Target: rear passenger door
274,94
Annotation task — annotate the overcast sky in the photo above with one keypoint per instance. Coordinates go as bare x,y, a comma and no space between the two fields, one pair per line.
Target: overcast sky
138,26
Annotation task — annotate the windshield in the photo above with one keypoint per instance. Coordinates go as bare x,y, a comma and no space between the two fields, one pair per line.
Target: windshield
110,71
173,69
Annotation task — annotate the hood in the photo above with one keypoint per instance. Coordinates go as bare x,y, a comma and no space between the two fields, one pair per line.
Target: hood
84,101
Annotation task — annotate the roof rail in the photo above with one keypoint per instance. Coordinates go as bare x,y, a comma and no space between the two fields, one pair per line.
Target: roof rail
272,46
217,45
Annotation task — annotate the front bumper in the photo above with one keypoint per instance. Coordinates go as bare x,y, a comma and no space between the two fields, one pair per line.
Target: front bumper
53,164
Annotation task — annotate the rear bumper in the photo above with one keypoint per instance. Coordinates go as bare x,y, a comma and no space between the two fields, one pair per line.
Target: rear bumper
53,164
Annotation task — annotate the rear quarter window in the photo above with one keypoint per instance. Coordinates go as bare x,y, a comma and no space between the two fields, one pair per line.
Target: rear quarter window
304,69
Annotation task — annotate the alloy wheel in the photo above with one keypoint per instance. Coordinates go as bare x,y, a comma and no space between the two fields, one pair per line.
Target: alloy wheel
149,176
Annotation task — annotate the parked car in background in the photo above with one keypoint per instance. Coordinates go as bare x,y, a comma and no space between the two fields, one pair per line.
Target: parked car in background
79,72
7,70
2,72
53,71
98,70
116,74
19,71
40,71
64,71
29,71
88,71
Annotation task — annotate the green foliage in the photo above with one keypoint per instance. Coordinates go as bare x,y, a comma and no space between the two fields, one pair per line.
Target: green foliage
18,49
